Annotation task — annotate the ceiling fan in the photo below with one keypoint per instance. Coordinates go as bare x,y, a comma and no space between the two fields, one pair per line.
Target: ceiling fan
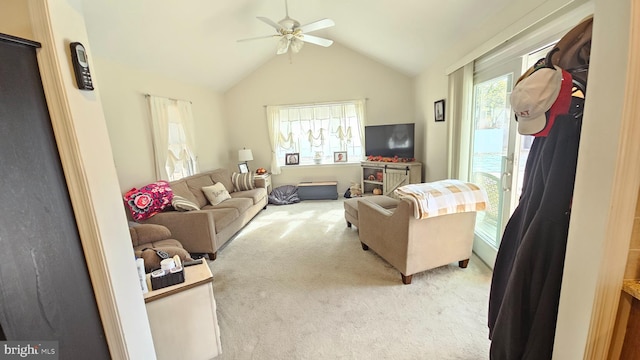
292,35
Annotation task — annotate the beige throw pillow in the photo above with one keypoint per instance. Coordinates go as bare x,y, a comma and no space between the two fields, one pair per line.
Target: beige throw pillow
216,193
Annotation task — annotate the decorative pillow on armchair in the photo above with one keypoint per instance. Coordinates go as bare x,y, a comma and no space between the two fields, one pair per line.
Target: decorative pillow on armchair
242,182
148,200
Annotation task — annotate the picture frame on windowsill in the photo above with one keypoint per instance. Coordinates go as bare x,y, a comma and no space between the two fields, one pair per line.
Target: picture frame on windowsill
339,156
292,159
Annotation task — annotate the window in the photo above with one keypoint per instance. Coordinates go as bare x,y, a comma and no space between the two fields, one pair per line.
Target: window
316,131
173,144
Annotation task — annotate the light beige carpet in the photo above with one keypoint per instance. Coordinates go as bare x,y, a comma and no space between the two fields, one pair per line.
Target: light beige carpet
295,284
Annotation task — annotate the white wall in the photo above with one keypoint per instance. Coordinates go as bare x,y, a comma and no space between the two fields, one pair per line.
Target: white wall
316,74
14,19
122,91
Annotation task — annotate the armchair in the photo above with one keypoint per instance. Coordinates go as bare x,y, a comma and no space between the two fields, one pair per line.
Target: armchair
414,245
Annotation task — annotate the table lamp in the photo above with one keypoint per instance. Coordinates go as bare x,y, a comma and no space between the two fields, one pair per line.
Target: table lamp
245,155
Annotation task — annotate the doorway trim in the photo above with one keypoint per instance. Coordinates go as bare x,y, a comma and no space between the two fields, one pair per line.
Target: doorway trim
625,181
76,178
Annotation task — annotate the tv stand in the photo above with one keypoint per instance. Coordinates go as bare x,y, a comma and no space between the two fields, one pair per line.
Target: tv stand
388,176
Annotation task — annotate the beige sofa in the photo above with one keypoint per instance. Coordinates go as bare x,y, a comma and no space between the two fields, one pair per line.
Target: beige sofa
206,230
411,245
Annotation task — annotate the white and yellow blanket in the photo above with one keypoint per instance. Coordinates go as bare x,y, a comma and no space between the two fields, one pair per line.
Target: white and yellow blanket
443,197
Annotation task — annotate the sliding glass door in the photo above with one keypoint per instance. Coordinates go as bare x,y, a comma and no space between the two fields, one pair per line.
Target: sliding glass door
498,153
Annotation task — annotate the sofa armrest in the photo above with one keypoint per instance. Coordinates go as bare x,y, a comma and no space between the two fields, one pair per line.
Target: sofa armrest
194,229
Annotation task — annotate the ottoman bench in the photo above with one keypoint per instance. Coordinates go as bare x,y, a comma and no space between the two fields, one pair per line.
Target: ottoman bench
351,206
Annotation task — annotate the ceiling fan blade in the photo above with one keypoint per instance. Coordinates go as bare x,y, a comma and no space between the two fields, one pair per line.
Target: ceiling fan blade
283,45
270,22
258,37
316,40
317,25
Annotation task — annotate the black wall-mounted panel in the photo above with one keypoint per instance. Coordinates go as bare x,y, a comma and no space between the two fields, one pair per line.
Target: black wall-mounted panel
45,290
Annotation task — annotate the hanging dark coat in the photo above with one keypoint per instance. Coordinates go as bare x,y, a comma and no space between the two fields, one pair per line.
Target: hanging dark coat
528,271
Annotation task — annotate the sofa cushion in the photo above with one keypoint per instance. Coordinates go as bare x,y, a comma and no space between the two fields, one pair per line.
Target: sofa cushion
181,188
242,182
195,184
181,204
216,193
256,194
222,176
149,200
239,203
223,217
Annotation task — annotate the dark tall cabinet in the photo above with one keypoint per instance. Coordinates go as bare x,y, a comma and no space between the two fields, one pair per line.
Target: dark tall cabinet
45,290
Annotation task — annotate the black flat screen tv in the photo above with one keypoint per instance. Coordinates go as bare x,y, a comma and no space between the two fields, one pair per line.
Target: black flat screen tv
390,140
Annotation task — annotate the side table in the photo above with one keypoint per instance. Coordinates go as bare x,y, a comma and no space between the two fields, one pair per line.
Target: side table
182,317
264,181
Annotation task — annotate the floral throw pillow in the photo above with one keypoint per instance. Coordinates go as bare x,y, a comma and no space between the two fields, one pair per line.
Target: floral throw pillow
149,199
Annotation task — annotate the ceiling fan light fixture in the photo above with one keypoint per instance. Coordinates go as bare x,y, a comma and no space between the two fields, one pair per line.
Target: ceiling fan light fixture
296,44
283,45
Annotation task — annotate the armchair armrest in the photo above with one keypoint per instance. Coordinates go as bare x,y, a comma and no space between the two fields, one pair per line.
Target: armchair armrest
386,231
194,229
378,219
147,233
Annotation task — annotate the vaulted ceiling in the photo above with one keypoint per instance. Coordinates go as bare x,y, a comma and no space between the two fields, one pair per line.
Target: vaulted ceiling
196,40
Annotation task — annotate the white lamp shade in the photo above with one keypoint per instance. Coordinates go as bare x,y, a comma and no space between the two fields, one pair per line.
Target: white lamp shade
245,155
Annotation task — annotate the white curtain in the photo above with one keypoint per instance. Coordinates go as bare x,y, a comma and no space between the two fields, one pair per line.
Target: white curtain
361,113
459,108
159,108
314,129
186,117
273,118
173,152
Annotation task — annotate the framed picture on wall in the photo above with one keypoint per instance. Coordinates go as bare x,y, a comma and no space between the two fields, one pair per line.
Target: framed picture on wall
438,110
292,159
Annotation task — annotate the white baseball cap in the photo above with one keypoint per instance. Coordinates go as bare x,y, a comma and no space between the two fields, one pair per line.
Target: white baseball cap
533,97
